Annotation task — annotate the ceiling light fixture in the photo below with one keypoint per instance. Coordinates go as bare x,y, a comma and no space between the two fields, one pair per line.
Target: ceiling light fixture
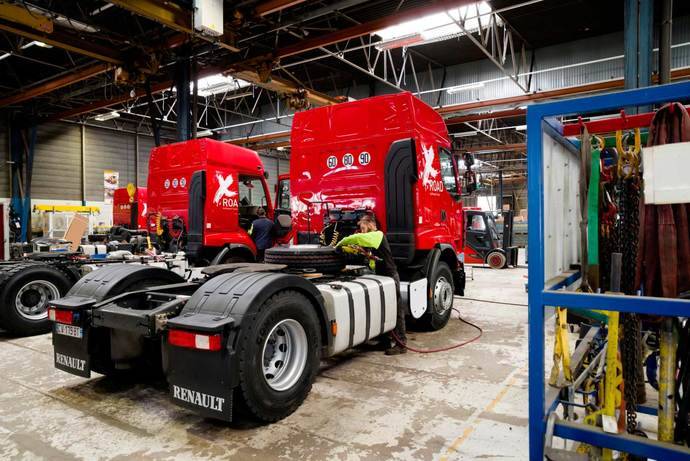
107,116
461,88
204,133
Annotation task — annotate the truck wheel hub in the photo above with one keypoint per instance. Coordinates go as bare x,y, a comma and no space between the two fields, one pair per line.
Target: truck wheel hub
443,295
32,299
285,355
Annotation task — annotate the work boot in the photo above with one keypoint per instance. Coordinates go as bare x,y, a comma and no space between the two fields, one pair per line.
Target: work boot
396,350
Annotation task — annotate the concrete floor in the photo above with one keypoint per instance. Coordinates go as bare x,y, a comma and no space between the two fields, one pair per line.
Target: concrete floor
470,403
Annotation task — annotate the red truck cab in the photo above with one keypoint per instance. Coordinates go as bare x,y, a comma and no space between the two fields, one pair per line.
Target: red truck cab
130,210
203,198
391,156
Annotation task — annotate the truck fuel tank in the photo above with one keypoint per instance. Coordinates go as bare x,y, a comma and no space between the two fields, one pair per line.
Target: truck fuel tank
362,308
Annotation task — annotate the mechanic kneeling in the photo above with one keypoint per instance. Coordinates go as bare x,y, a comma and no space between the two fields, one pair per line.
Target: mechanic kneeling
373,245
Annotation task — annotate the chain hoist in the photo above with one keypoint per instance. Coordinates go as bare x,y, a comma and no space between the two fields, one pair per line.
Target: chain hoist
629,187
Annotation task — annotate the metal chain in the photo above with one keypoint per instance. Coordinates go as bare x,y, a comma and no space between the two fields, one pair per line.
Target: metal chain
628,239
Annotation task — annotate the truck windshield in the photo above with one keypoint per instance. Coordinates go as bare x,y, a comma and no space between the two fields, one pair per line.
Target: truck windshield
448,171
283,197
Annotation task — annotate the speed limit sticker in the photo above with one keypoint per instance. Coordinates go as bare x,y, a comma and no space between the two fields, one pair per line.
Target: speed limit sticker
364,158
348,160
332,162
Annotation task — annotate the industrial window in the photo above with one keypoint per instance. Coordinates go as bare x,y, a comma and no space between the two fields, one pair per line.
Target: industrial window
448,171
477,223
283,199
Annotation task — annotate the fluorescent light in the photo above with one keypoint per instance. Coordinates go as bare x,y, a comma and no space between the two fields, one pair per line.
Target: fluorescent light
219,83
461,88
464,134
201,134
35,43
107,116
434,27
6,55
521,128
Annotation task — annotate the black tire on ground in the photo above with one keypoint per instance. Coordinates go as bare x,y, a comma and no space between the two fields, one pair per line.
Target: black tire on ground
496,259
256,395
26,288
440,299
319,258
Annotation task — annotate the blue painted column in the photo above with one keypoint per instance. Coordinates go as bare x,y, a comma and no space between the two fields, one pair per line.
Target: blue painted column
630,35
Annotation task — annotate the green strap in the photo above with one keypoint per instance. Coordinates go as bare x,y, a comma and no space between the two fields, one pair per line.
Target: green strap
367,240
593,210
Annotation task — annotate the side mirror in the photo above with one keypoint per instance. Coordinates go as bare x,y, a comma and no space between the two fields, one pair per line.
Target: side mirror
266,175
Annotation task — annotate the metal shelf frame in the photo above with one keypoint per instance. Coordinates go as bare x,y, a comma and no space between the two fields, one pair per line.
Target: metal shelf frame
541,118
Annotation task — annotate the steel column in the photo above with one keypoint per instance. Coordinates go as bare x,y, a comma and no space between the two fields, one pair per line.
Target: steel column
182,80
630,37
665,41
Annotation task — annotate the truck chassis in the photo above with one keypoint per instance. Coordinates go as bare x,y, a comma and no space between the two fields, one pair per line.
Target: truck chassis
244,335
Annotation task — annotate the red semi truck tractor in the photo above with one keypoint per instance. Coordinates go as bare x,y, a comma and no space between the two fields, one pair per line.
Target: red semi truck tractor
130,210
250,336
391,156
203,198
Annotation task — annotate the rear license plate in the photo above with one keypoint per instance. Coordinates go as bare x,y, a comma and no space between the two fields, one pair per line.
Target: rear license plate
69,330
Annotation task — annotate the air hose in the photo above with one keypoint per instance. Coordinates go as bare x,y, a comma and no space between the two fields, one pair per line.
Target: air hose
442,349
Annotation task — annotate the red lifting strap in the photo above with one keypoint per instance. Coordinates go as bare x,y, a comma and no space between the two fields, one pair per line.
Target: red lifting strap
665,233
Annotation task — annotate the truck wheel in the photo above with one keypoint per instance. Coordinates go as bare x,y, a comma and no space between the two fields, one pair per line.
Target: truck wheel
496,260
278,357
25,294
319,258
440,299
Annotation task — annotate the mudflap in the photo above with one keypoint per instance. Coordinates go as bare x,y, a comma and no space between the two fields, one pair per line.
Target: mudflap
459,280
71,346
201,380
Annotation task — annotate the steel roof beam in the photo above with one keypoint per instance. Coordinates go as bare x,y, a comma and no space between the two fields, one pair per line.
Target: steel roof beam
170,15
65,41
273,6
52,85
368,27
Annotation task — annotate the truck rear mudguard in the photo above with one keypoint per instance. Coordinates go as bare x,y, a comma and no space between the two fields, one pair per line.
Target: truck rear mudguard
203,378
123,296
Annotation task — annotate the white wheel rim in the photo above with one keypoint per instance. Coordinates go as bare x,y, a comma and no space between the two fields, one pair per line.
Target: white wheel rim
32,299
284,355
443,295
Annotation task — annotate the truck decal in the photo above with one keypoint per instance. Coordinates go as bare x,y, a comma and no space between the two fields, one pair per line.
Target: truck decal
70,362
198,398
430,179
223,193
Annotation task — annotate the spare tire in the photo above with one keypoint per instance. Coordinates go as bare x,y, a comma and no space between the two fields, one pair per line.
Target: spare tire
315,257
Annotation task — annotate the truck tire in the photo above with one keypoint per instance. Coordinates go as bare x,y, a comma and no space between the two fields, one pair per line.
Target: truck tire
26,288
279,356
319,258
496,259
440,299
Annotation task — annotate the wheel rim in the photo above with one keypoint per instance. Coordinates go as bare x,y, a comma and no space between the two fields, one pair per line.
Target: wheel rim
32,299
284,354
443,295
496,260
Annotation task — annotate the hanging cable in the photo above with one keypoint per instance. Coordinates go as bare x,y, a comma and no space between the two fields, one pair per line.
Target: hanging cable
442,349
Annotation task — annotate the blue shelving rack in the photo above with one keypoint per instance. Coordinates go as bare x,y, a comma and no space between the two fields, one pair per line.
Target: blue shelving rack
541,118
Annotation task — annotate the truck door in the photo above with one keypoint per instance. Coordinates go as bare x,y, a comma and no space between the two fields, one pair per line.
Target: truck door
282,213
252,196
451,212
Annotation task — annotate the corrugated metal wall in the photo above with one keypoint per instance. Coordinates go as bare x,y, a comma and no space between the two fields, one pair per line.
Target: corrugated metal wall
107,150
146,143
57,163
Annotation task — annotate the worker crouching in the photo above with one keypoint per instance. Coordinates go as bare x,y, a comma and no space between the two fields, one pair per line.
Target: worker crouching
372,244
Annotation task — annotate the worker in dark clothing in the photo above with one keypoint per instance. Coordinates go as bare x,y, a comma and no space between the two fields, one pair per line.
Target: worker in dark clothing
262,233
373,243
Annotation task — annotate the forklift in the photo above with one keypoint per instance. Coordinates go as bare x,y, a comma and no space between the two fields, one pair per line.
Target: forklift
482,241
